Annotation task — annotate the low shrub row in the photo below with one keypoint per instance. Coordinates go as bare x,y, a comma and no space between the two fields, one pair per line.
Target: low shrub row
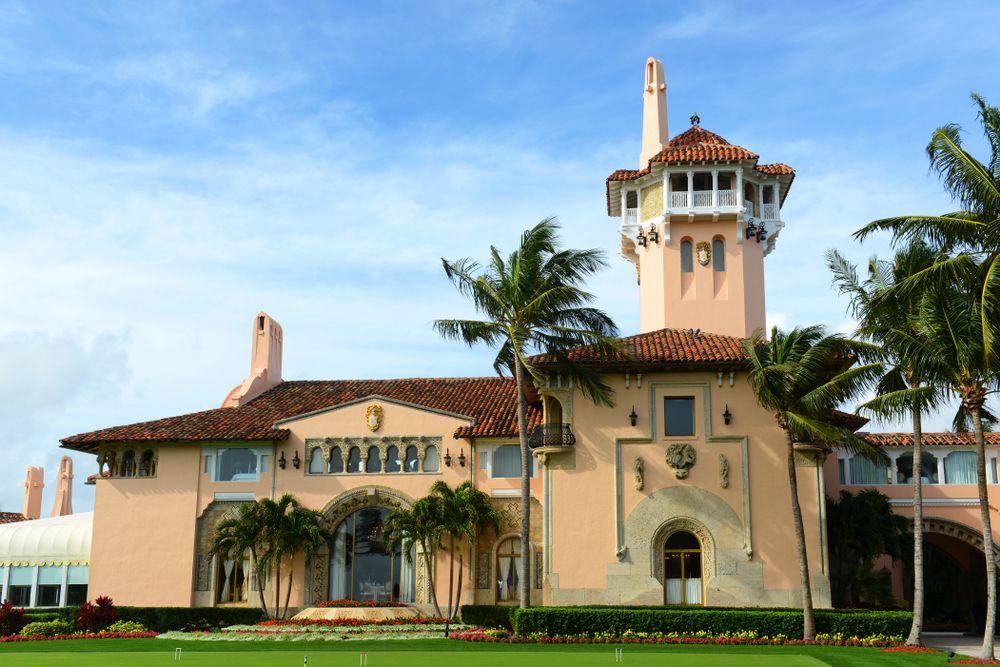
583,621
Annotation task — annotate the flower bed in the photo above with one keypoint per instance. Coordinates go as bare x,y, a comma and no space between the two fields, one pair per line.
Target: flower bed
358,603
738,639
80,635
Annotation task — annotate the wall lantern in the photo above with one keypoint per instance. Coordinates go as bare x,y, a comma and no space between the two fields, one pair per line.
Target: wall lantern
727,416
641,238
281,461
461,457
447,458
632,417
296,461
654,236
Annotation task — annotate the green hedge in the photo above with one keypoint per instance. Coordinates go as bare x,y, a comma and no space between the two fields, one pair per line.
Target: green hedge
488,616
581,620
163,619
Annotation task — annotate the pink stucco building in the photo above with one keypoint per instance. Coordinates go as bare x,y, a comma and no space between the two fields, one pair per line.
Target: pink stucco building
676,495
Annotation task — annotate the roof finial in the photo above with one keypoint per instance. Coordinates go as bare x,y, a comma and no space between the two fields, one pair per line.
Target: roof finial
695,119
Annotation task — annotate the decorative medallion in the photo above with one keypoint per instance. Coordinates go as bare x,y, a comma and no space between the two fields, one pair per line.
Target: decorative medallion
704,252
373,417
681,457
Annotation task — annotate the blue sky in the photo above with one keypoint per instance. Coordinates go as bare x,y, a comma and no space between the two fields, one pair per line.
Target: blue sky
169,169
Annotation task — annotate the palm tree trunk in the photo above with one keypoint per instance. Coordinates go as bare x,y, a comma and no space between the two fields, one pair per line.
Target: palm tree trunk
916,630
986,653
524,590
808,621
430,580
451,580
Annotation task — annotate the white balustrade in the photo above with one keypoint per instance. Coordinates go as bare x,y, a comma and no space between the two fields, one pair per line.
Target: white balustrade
727,197
769,211
631,216
678,200
702,198
748,207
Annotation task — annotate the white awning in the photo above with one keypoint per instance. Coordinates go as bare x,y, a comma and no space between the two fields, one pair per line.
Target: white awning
54,541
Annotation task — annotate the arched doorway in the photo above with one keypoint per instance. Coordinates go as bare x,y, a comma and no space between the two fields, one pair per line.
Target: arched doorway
362,567
682,569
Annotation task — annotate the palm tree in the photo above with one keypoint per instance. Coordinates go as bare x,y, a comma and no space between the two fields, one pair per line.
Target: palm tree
419,526
236,536
975,230
300,531
465,511
801,377
902,391
532,302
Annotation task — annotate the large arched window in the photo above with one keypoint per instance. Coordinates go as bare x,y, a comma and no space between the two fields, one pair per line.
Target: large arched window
336,460
687,256
509,569
315,461
718,255
362,567
682,569
128,464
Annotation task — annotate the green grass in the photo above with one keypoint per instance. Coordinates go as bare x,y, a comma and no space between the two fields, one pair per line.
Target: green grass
436,653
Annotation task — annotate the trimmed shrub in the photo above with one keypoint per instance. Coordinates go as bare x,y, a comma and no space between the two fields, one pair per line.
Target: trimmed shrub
164,619
47,628
488,616
127,626
11,619
553,621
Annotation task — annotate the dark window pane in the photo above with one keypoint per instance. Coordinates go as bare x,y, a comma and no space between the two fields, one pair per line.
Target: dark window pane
678,414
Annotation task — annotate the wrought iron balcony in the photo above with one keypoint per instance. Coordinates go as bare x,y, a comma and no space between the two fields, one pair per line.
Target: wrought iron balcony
552,435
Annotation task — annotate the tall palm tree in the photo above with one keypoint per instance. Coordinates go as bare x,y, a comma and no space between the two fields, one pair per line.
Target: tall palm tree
300,530
465,512
418,526
902,391
532,301
242,534
975,230
952,346
801,377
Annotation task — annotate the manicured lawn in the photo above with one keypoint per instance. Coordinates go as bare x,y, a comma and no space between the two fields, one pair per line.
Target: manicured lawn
436,653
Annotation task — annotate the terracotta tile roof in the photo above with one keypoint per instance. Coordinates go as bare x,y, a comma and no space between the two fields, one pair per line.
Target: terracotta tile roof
11,517
939,439
490,401
665,346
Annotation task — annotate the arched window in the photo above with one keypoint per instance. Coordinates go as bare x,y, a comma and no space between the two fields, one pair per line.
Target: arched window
718,255
687,256
682,569
508,570
431,461
392,462
374,463
147,464
412,462
336,461
354,460
316,461
128,464
362,567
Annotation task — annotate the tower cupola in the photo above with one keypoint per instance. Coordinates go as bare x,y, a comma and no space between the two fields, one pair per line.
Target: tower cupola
697,219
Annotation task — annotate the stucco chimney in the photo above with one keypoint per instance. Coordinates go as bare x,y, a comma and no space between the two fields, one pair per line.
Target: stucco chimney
63,504
33,485
654,112
265,362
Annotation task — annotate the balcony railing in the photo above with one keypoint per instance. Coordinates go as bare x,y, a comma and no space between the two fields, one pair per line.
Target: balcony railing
769,211
679,199
552,435
631,216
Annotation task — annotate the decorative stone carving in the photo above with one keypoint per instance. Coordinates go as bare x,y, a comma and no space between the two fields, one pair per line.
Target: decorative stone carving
373,417
637,467
681,457
723,471
704,252
483,570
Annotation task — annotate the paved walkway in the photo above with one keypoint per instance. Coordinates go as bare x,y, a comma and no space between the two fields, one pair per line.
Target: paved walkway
954,641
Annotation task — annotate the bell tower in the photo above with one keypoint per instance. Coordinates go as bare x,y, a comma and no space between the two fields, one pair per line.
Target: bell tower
698,217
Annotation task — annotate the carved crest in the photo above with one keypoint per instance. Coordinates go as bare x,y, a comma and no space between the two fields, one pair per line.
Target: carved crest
681,457
373,417
704,252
